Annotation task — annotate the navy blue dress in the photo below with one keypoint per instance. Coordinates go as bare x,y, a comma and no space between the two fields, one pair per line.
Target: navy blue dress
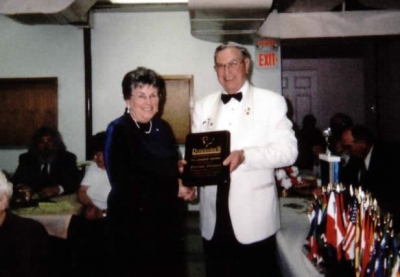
144,213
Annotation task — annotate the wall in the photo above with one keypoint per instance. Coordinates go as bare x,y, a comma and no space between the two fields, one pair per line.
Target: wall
161,41
120,42
47,51
389,91
340,87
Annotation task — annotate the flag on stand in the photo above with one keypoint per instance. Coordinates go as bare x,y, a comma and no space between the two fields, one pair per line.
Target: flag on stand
312,235
368,238
395,268
341,222
349,239
331,210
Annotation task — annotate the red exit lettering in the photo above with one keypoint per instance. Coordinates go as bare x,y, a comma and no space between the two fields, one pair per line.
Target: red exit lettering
266,42
267,59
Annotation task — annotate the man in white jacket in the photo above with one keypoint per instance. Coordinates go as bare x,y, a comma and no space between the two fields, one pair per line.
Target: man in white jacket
238,226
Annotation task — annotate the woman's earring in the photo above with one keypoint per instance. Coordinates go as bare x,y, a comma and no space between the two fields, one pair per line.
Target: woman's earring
128,109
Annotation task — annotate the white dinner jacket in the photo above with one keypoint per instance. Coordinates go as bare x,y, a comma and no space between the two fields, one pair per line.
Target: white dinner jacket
267,138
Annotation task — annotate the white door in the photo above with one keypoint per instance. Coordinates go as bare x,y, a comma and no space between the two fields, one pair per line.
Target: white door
300,87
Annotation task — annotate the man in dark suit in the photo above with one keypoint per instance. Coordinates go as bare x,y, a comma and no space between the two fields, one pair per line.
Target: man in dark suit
374,166
47,168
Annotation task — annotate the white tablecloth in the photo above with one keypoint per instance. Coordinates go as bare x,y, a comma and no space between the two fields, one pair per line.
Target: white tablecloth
56,216
291,238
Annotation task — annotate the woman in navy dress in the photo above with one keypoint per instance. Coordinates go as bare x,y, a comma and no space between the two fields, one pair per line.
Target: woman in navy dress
144,212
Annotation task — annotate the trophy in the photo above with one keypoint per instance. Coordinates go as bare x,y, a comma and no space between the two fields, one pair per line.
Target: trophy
327,134
329,164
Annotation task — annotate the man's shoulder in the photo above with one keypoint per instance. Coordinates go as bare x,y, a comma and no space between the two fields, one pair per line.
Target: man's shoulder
387,151
210,97
66,156
266,93
70,155
27,157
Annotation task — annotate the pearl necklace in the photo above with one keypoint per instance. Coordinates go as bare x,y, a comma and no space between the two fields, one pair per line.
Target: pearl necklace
146,132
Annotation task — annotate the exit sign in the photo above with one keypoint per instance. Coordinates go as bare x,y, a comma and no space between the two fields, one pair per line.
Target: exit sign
267,59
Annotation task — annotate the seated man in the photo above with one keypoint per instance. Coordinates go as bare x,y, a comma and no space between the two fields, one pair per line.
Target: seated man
24,243
95,185
47,168
373,165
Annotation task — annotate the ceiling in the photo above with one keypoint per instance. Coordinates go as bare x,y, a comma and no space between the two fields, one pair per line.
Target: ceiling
211,20
296,6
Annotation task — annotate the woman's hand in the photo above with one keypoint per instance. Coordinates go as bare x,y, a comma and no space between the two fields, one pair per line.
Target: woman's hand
181,165
186,193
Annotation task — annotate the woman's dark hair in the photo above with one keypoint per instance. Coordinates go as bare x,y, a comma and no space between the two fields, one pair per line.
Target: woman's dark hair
139,77
309,121
97,143
143,76
45,131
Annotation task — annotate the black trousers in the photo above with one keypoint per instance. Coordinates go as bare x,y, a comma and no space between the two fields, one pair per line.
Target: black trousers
234,259
226,257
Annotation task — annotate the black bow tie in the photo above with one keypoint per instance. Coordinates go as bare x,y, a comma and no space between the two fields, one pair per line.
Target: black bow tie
226,97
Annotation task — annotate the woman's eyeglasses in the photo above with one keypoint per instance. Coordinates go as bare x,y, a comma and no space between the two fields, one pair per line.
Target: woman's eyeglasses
144,97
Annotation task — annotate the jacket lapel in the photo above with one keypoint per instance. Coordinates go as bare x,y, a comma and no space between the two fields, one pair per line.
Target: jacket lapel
214,114
247,117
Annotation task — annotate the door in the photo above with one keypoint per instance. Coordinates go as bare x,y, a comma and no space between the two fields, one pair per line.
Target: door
300,87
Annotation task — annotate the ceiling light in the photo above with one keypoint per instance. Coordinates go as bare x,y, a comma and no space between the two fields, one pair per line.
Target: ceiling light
149,1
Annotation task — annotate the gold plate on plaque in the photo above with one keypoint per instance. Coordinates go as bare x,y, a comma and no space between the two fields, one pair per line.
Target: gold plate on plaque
204,153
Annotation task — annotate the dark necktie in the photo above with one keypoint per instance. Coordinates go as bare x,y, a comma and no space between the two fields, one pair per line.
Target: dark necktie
45,174
227,97
363,174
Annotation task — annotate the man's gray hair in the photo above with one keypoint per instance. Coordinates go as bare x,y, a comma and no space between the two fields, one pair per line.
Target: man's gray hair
5,185
230,44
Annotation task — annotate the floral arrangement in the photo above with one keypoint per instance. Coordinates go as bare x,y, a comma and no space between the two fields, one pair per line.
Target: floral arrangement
287,177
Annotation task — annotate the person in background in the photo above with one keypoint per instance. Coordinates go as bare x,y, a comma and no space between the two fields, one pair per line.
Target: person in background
47,168
374,166
311,143
24,243
239,221
338,123
95,185
86,232
144,214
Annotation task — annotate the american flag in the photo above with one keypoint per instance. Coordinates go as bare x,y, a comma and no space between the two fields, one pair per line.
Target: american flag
349,239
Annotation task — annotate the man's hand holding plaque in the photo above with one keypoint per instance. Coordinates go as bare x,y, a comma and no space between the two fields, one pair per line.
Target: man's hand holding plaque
204,155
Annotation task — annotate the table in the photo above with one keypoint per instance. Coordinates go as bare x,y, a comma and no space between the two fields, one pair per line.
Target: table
295,226
55,215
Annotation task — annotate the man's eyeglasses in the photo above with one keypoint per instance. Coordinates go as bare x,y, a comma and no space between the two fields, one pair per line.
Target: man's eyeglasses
230,65
143,97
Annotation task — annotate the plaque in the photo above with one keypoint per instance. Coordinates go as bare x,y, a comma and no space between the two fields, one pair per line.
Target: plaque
204,154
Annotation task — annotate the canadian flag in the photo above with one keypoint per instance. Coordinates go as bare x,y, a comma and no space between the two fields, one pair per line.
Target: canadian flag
335,223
